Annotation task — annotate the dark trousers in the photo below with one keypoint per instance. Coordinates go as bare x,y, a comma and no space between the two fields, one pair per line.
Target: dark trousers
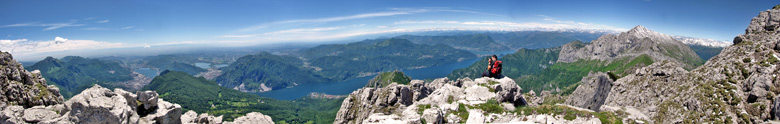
492,75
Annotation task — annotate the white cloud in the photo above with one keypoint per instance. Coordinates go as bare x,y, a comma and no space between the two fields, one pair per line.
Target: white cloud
21,24
60,25
426,22
9,43
50,26
392,12
95,29
60,39
103,21
24,47
582,25
147,46
176,43
478,23
128,27
298,31
303,30
331,19
238,36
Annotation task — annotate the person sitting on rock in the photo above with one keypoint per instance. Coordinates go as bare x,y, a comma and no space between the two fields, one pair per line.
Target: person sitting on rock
494,68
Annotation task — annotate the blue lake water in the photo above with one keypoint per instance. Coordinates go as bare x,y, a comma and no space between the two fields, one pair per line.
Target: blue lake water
347,86
220,65
203,65
148,72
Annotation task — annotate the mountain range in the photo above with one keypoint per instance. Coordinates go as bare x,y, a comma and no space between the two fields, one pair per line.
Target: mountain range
559,69
335,62
657,79
72,74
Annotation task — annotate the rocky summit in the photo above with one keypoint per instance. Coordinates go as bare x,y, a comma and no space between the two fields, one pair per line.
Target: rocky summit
632,43
27,99
483,100
739,85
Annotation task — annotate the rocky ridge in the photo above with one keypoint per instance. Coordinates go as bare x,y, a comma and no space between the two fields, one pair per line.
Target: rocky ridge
27,99
483,100
739,85
635,42
592,91
20,87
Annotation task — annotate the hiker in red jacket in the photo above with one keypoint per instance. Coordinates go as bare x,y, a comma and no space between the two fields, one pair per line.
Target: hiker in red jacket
494,68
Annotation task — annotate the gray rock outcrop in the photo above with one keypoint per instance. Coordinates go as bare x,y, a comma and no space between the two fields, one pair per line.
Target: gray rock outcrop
147,98
23,88
98,105
252,118
433,116
592,92
433,102
27,99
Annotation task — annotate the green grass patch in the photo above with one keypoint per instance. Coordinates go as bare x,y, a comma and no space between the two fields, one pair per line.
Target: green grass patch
463,112
569,113
561,75
492,82
422,107
488,86
491,106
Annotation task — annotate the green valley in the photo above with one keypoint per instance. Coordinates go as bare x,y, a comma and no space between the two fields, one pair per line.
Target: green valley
204,96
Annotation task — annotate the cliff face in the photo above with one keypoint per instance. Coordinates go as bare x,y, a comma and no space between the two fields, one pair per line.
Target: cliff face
739,85
25,98
23,88
592,91
632,43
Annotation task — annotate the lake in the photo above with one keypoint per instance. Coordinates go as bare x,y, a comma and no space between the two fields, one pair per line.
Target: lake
203,65
347,86
209,65
148,72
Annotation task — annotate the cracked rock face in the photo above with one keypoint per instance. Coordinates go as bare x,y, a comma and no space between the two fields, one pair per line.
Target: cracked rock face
147,98
23,88
592,92
100,105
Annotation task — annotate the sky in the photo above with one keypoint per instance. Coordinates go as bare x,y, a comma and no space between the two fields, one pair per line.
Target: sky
41,28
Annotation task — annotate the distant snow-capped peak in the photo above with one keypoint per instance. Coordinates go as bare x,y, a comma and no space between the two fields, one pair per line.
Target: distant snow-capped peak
641,32
702,42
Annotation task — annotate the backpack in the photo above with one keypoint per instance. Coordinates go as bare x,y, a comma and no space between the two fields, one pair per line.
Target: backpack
496,67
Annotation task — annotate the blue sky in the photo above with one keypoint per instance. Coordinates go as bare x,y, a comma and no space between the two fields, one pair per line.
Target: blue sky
41,27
